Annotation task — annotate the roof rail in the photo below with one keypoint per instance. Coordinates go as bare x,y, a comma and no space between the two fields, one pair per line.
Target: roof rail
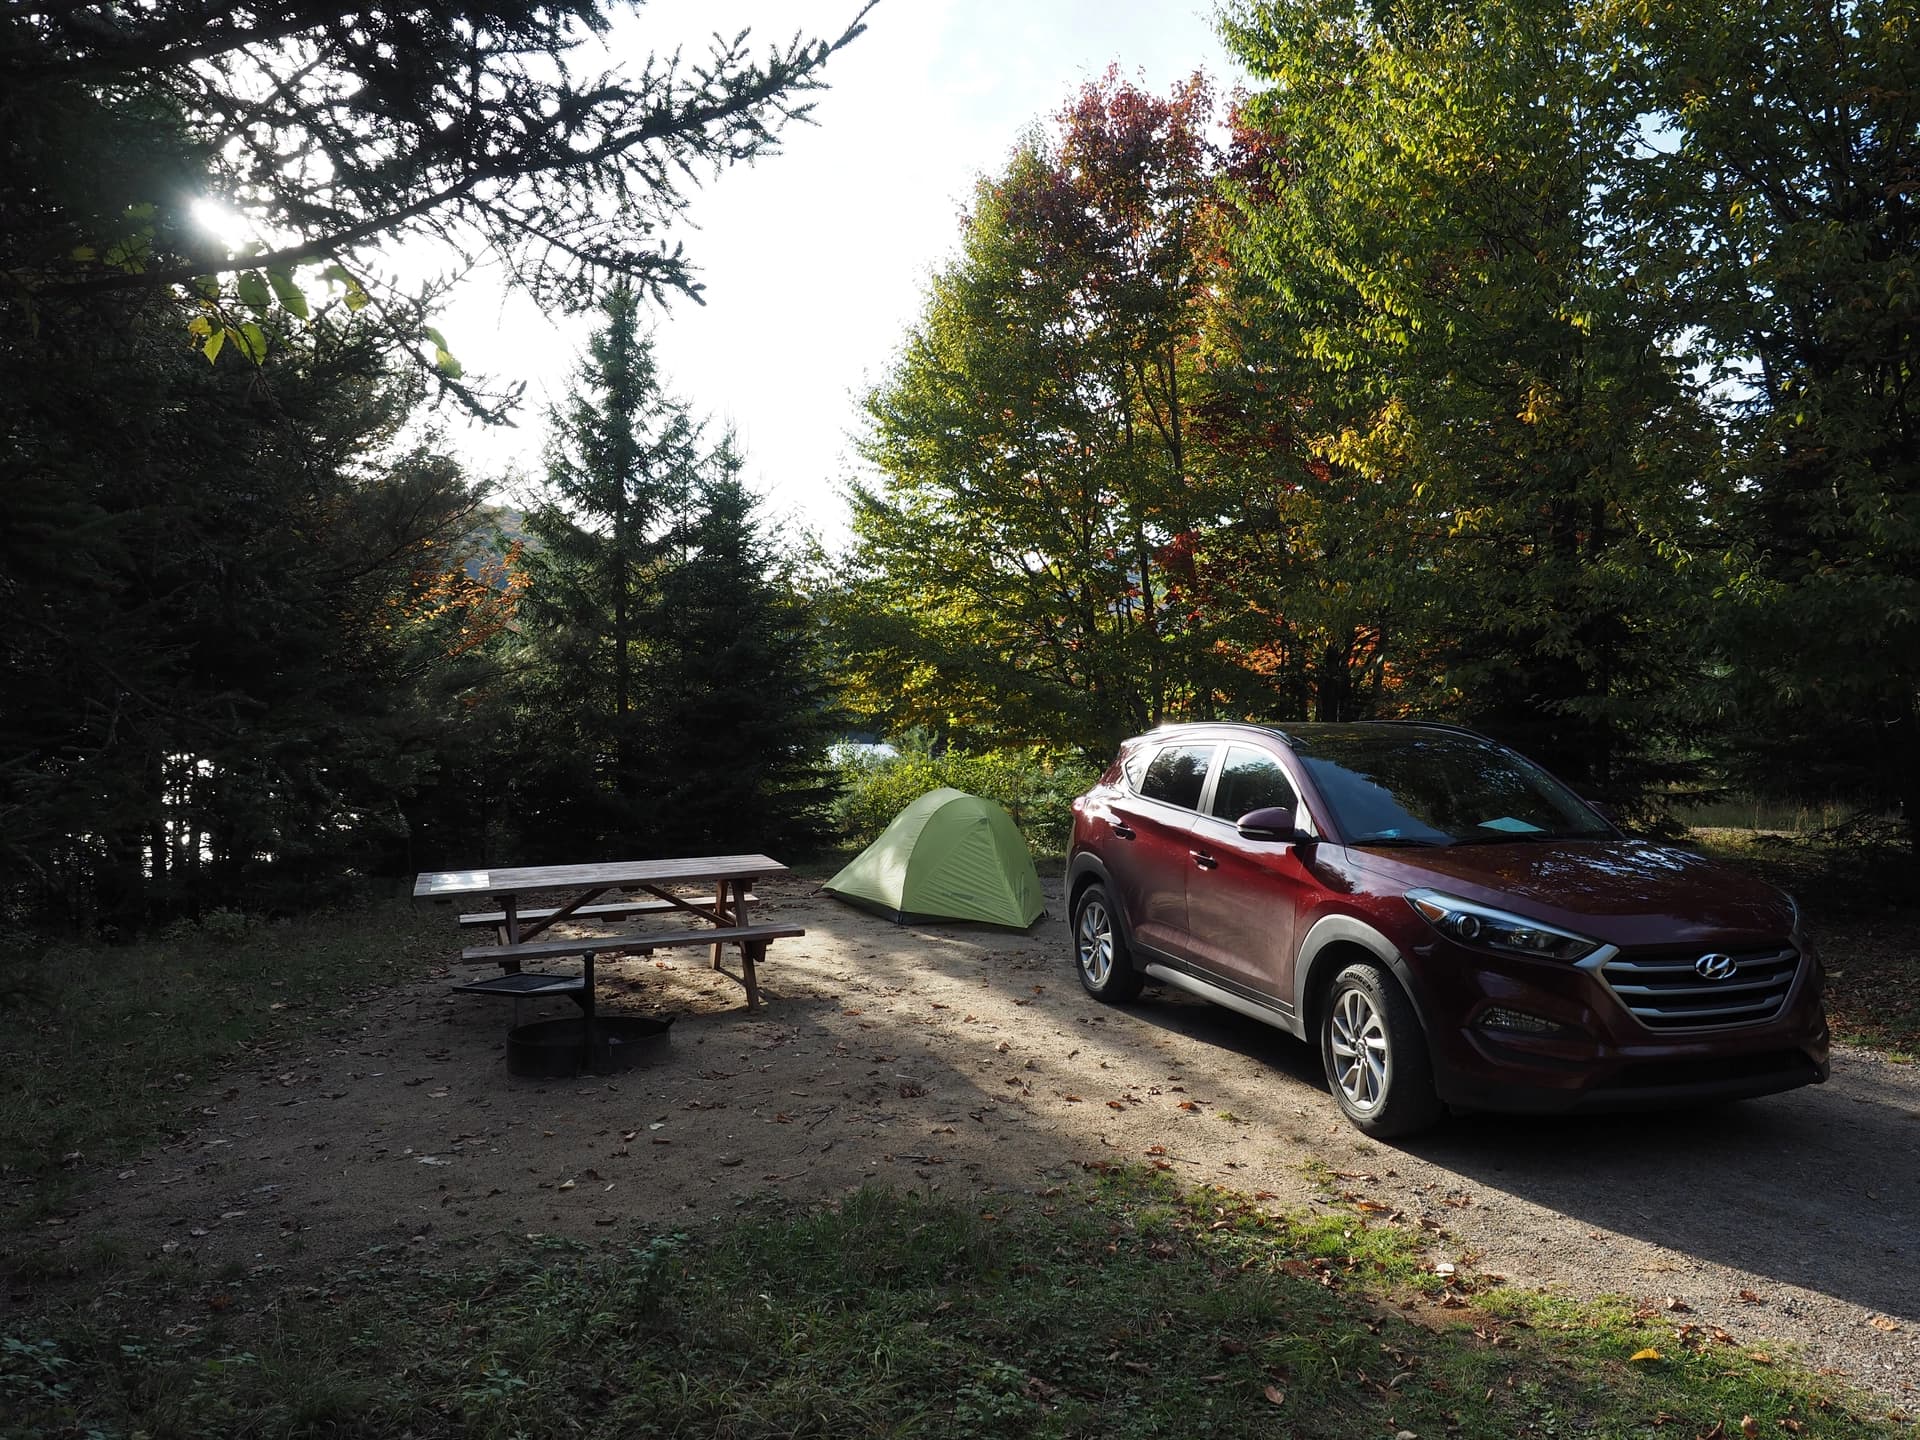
1446,725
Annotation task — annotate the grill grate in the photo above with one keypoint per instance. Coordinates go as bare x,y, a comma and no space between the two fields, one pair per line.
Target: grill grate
1666,992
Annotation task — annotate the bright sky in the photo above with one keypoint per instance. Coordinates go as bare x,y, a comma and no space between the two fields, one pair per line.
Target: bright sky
816,259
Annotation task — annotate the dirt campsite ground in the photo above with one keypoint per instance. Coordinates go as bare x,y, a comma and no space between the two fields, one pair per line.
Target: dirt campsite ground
967,1061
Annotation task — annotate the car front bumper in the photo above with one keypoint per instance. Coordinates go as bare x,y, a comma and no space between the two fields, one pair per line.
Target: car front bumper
1536,1037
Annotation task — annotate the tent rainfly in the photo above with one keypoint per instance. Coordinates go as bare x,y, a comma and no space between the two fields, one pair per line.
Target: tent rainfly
947,856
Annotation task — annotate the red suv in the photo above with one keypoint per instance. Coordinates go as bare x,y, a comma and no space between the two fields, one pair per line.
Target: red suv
1445,920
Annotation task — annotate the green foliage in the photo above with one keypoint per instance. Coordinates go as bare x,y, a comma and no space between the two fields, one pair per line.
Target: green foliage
214,568
1429,227
1024,572
1777,220
739,711
506,130
623,461
672,696
1034,786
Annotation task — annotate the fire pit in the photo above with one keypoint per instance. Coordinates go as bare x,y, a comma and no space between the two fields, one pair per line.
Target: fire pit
596,1044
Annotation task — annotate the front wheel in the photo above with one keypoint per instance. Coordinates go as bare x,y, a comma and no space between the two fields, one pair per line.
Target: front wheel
1375,1054
1099,953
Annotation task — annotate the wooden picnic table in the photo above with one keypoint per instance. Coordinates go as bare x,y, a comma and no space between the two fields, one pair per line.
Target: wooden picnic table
578,887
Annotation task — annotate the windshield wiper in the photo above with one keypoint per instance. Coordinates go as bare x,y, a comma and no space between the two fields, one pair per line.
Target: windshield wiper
1403,840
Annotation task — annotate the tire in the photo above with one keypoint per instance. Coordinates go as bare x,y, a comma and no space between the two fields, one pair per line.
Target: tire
1375,1054
1100,955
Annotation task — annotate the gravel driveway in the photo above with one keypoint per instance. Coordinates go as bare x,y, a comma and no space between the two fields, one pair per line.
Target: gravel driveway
967,1060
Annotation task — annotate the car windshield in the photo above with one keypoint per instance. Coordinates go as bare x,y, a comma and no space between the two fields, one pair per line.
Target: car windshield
1436,788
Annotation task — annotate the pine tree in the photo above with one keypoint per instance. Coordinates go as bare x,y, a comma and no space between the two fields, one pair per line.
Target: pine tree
672,702
741,714
620,466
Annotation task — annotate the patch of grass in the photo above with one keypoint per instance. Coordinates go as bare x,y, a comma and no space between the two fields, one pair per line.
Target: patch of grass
1120,1308
108,1054
1857,901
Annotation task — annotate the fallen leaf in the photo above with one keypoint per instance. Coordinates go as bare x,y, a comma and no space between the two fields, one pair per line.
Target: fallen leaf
1678,1306
1116,1104
1884,1322
1747,1297
566,1184
1275,1394
1792,1426
1647,1354
1749,1426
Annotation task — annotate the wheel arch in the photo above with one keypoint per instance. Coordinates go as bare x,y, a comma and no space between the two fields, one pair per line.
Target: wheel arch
1333,943
1085,869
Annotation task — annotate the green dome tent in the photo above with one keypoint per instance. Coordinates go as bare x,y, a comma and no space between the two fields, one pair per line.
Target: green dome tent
947,856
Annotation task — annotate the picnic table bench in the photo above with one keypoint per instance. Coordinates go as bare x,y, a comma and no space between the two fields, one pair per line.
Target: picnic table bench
725,917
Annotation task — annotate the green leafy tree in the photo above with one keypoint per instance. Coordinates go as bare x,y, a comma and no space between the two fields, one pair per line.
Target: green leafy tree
1025,569
1772,208
1434,239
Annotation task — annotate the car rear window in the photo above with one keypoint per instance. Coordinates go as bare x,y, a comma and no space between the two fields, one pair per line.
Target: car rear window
1249,780
1177,775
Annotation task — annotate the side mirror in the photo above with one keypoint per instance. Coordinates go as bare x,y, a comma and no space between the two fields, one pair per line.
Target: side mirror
1275,822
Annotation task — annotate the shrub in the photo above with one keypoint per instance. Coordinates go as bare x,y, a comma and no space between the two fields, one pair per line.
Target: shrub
1032,786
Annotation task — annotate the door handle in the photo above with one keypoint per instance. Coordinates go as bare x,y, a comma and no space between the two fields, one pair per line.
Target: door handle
1203,860
1123,831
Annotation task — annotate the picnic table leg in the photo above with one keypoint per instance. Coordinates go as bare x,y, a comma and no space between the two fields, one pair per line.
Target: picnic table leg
586,1021
751,950
511,906
726,918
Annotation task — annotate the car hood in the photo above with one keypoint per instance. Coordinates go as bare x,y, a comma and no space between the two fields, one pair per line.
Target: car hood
1629,893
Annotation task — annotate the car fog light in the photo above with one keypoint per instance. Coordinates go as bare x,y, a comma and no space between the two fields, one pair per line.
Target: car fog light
1499,1019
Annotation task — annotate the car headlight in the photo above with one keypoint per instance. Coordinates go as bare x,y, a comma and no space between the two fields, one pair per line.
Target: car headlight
1491,929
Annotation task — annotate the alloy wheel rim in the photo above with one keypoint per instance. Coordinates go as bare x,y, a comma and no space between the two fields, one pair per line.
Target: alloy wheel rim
1095,943
1358,1038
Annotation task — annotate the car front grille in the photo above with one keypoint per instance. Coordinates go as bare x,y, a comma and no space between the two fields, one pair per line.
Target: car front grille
1665,991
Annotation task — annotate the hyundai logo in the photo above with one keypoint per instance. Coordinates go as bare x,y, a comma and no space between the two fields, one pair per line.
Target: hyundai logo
1716,967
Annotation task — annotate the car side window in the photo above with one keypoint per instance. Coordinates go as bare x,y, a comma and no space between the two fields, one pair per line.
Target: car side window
1249,780
1135,767
1177,775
